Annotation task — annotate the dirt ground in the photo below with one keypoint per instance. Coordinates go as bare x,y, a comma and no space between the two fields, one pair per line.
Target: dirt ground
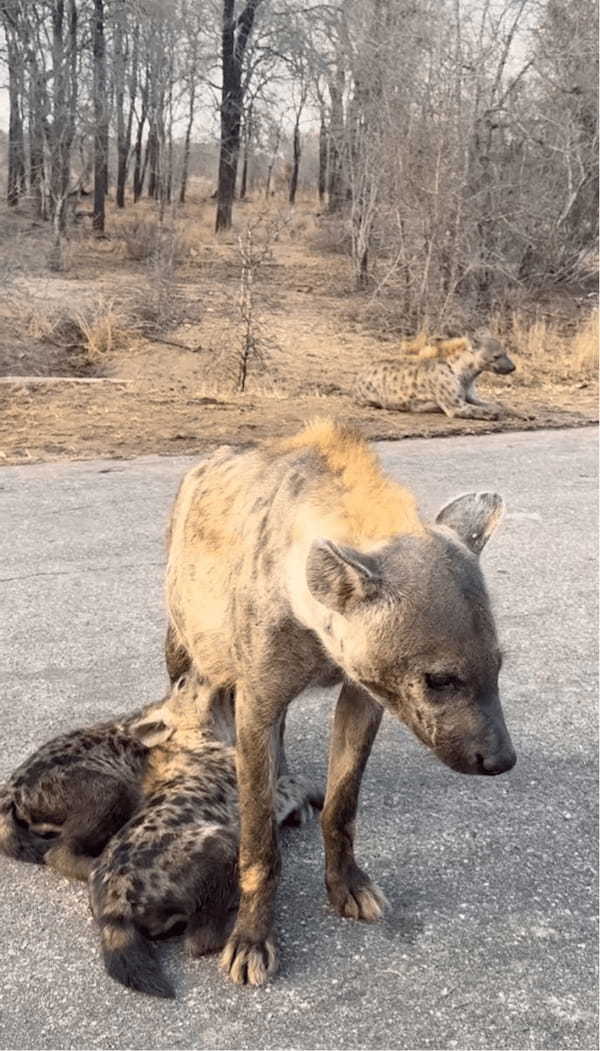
171,392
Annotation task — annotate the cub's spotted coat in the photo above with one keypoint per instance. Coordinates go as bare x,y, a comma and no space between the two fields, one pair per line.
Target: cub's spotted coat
439,377
174,866
170,768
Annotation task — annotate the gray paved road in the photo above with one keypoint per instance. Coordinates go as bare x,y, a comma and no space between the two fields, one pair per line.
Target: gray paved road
489,940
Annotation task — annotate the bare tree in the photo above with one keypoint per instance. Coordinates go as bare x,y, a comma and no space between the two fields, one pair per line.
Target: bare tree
235,34
100,117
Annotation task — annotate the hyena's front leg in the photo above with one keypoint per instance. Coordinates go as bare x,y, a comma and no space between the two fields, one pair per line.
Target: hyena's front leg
498,410
356,721
250,955
456,407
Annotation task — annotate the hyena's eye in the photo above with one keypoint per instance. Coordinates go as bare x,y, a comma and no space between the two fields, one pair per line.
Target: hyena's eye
439,682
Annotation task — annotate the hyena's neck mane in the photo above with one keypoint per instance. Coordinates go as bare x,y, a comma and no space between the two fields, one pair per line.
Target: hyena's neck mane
352,500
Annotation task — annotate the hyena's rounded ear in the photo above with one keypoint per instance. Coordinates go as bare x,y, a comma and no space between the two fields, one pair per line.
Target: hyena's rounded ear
473,518
341,577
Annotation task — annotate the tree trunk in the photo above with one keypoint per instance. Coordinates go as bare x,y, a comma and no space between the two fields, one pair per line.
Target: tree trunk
247,137
335,191
235,35
100,117
244,178
151,162
139,170
296,162
187,142
119,59
322,185
37,175
16,159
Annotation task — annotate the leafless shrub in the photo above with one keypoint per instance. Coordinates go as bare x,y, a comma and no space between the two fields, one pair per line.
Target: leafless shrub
332,236
147,239
255,246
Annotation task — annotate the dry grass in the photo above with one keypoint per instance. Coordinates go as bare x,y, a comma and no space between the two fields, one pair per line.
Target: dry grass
97,330
552,350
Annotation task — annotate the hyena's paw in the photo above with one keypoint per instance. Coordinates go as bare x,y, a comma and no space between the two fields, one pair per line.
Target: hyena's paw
297,801
354,896
249,962
73,866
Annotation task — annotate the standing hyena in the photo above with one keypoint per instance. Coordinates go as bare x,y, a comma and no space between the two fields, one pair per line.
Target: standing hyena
300,563
439,377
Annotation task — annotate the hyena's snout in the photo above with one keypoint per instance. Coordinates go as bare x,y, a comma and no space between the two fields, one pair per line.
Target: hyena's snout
504,366
488,751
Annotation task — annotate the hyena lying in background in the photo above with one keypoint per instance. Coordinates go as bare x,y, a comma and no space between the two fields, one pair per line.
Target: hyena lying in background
439,376
162,784
299,564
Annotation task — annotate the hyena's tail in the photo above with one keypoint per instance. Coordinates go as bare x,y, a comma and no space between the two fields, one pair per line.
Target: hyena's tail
131,959
16,838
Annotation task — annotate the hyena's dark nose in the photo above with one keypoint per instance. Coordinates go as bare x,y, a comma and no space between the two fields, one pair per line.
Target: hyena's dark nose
499,763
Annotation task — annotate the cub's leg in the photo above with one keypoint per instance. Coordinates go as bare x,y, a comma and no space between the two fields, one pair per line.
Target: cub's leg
216,891
104,805
295,802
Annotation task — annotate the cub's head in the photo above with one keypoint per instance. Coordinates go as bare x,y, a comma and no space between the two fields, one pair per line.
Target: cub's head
191,707
412,625
491,355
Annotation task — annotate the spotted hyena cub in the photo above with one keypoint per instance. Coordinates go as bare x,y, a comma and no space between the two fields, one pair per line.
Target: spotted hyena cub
174,865
441,376
161,782
62,805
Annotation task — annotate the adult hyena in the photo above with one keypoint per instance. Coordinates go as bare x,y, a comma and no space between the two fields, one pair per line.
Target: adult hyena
300,563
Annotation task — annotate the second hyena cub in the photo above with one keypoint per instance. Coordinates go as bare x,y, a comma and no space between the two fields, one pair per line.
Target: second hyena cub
61,806
174,865
440,378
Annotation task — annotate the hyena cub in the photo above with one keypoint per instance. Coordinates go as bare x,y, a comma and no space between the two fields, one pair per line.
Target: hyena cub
174,865
62,805
440,377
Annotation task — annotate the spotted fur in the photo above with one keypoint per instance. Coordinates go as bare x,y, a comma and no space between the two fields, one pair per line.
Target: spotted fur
440,376
173,866
162,783
299,564
62,805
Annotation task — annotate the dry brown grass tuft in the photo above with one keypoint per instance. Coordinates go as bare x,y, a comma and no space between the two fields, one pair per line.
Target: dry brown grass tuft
95,329
554,352
102,331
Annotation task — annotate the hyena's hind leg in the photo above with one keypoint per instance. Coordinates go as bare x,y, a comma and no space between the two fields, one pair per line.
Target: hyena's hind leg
104,805
177,657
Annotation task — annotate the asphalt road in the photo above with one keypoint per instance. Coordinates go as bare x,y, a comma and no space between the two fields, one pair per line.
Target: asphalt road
489,941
